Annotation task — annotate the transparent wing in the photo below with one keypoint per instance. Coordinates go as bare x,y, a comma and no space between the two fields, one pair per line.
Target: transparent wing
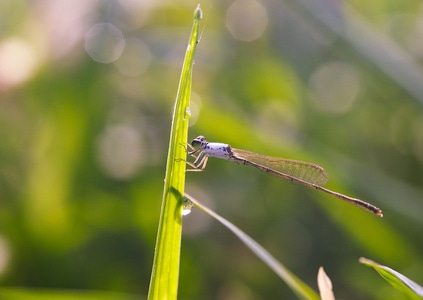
308,172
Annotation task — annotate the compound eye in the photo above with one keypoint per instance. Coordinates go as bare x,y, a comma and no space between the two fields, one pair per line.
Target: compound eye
199,140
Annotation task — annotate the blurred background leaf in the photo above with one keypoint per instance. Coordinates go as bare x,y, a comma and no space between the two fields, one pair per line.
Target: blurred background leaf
402,283
86,95
298,287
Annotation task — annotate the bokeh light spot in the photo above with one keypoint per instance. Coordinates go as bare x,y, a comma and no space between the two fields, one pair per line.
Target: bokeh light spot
4,254
135,59
104,42
335,86
120,151
18,61
246,20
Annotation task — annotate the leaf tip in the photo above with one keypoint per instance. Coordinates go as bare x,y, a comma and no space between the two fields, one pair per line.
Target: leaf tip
198,13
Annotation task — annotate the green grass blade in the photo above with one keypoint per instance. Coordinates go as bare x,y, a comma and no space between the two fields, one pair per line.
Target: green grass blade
26,293
397,280
165,273
302,290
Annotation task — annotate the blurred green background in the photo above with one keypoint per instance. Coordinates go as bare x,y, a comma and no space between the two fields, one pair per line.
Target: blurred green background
87,89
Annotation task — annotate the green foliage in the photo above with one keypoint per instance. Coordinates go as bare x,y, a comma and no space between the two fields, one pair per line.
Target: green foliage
403,284
165,273
38,294
84,144
297,286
